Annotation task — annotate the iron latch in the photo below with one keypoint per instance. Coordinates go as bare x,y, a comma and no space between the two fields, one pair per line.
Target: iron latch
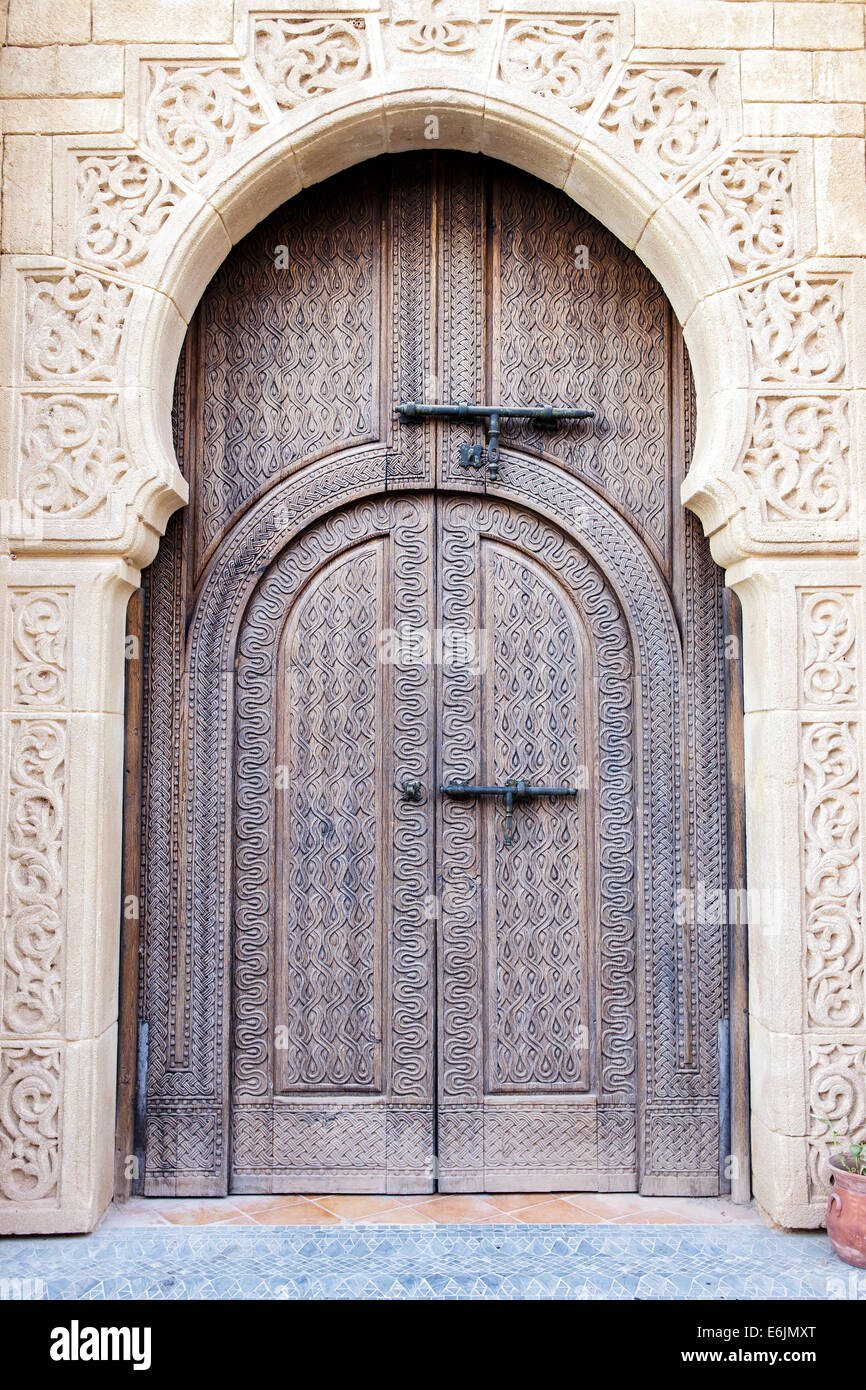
473,455
514,790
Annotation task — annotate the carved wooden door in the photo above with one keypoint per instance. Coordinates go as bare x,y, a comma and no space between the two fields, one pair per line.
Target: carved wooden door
351,981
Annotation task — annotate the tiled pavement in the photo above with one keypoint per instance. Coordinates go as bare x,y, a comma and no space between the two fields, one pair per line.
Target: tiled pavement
528,1246
587,1208
488,1261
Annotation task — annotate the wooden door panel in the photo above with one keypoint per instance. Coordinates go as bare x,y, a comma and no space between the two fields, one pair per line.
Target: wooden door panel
521,961
333,831
537,718
332,1057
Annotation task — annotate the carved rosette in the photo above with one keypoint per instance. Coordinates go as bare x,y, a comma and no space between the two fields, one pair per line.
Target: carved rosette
565,60
302,58
30,1081
198,114
669,120
748,205
121,202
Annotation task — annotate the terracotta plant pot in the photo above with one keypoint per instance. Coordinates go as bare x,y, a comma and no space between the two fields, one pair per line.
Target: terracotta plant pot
846,1213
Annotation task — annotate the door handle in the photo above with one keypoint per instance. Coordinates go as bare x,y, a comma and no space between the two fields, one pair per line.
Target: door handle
410,791
516,789
472,456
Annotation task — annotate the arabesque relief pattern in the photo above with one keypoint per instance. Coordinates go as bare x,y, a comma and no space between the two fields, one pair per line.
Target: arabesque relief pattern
675,123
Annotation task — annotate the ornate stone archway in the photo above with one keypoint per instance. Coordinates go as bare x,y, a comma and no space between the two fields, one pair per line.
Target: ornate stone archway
657,143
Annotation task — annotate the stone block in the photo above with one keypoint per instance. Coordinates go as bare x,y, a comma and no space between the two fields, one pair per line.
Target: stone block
680,24
27,194
61,115
840,196
782,118
840,76
162,21
773,76
81,70
818,26
48,21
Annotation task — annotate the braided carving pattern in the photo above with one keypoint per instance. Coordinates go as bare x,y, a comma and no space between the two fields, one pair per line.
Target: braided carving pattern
255,870
660,690
288,348
537,1010
585,334
411,366
461,1046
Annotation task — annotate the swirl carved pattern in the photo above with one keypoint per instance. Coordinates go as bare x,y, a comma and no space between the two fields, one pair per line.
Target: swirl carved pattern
797,326
72,455
40,634
828,641
197,114
669,118
35,877
567,60
30,1108
122,202
797,462
837,1092
748,203
833,908
73,327
301,58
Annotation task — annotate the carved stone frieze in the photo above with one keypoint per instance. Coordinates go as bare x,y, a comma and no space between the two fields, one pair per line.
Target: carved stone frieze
828,644
73,325
837,1093
748,204
122,201
40,634
196,114
833,907
670,119
300,58
795,323
72,454
567,60
443,27
30,1113
34,876
797,462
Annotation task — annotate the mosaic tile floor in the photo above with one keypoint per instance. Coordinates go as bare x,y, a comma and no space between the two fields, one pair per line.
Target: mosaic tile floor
492,1260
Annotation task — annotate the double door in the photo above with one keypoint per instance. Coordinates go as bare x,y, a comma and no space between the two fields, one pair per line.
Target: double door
351,978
